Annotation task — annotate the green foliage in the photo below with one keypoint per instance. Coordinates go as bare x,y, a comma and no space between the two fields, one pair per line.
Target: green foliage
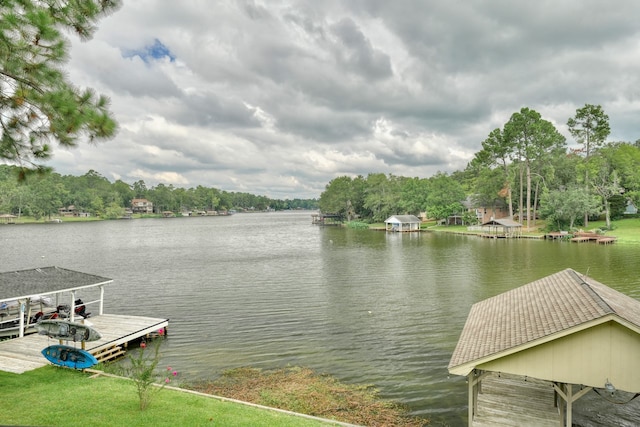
42,196
445,196
590,127
382,196
532,138
143,371
617,205
605,183
561,208
413,196
336,198
358,225
114,211
624,158
38,103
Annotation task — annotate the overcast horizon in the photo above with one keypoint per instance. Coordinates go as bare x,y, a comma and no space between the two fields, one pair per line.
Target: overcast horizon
278,98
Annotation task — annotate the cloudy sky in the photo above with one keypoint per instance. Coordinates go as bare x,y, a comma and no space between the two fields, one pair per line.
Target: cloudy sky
277,98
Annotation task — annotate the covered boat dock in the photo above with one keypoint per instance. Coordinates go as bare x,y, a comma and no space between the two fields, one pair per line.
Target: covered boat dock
501,228
61,286
19,355
563,336
64,286
402,223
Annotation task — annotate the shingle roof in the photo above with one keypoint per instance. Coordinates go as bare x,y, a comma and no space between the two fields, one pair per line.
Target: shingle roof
404,218
553,304
505,222
43,281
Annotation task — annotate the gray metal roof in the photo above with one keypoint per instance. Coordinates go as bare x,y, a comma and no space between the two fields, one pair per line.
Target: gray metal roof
45,281
553,304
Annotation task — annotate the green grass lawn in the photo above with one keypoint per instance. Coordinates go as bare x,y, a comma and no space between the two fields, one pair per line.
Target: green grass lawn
626,230
54,396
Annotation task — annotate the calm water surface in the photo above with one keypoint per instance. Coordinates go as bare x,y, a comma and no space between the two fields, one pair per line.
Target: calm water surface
271,289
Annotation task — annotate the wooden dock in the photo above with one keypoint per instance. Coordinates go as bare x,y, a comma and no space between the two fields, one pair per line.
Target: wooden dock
593,237
19,355
511,401
606,240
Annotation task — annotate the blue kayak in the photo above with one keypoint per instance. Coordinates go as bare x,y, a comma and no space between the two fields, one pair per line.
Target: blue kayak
70,357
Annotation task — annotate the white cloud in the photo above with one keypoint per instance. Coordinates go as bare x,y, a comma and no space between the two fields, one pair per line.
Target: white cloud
281,97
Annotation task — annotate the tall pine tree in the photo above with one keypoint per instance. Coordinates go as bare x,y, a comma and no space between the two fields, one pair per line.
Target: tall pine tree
38,105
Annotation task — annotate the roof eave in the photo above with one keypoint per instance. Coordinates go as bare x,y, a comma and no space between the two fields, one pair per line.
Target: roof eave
57,291
465,368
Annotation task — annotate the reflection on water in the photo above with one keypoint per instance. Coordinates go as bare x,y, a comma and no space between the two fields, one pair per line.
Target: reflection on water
269,290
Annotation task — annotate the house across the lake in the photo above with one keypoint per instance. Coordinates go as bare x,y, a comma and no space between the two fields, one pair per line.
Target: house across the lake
72,211
564,335
487,211
141,206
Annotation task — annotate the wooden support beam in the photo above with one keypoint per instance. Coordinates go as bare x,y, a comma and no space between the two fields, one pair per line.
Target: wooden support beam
565,391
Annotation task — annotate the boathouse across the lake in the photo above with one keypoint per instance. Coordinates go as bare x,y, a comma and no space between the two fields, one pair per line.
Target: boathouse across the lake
402,223
503,227
565,330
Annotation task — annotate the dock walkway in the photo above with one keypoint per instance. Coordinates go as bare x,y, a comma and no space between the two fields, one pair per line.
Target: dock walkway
19,355
512,401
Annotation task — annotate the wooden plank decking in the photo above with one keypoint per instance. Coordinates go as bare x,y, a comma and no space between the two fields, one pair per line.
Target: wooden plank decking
593,237
24,354
512,401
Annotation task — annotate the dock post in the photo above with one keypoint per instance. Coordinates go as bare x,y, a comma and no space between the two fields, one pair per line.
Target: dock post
73,306
22,309
101,300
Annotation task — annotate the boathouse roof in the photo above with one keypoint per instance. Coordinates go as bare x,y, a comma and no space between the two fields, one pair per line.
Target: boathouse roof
403,219
504,222
44,281
564,327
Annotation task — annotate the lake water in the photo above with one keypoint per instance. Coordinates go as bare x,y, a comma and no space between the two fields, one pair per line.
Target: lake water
271,289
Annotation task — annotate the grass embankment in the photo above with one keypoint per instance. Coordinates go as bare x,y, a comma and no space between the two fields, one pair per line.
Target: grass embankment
63,397
626,230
